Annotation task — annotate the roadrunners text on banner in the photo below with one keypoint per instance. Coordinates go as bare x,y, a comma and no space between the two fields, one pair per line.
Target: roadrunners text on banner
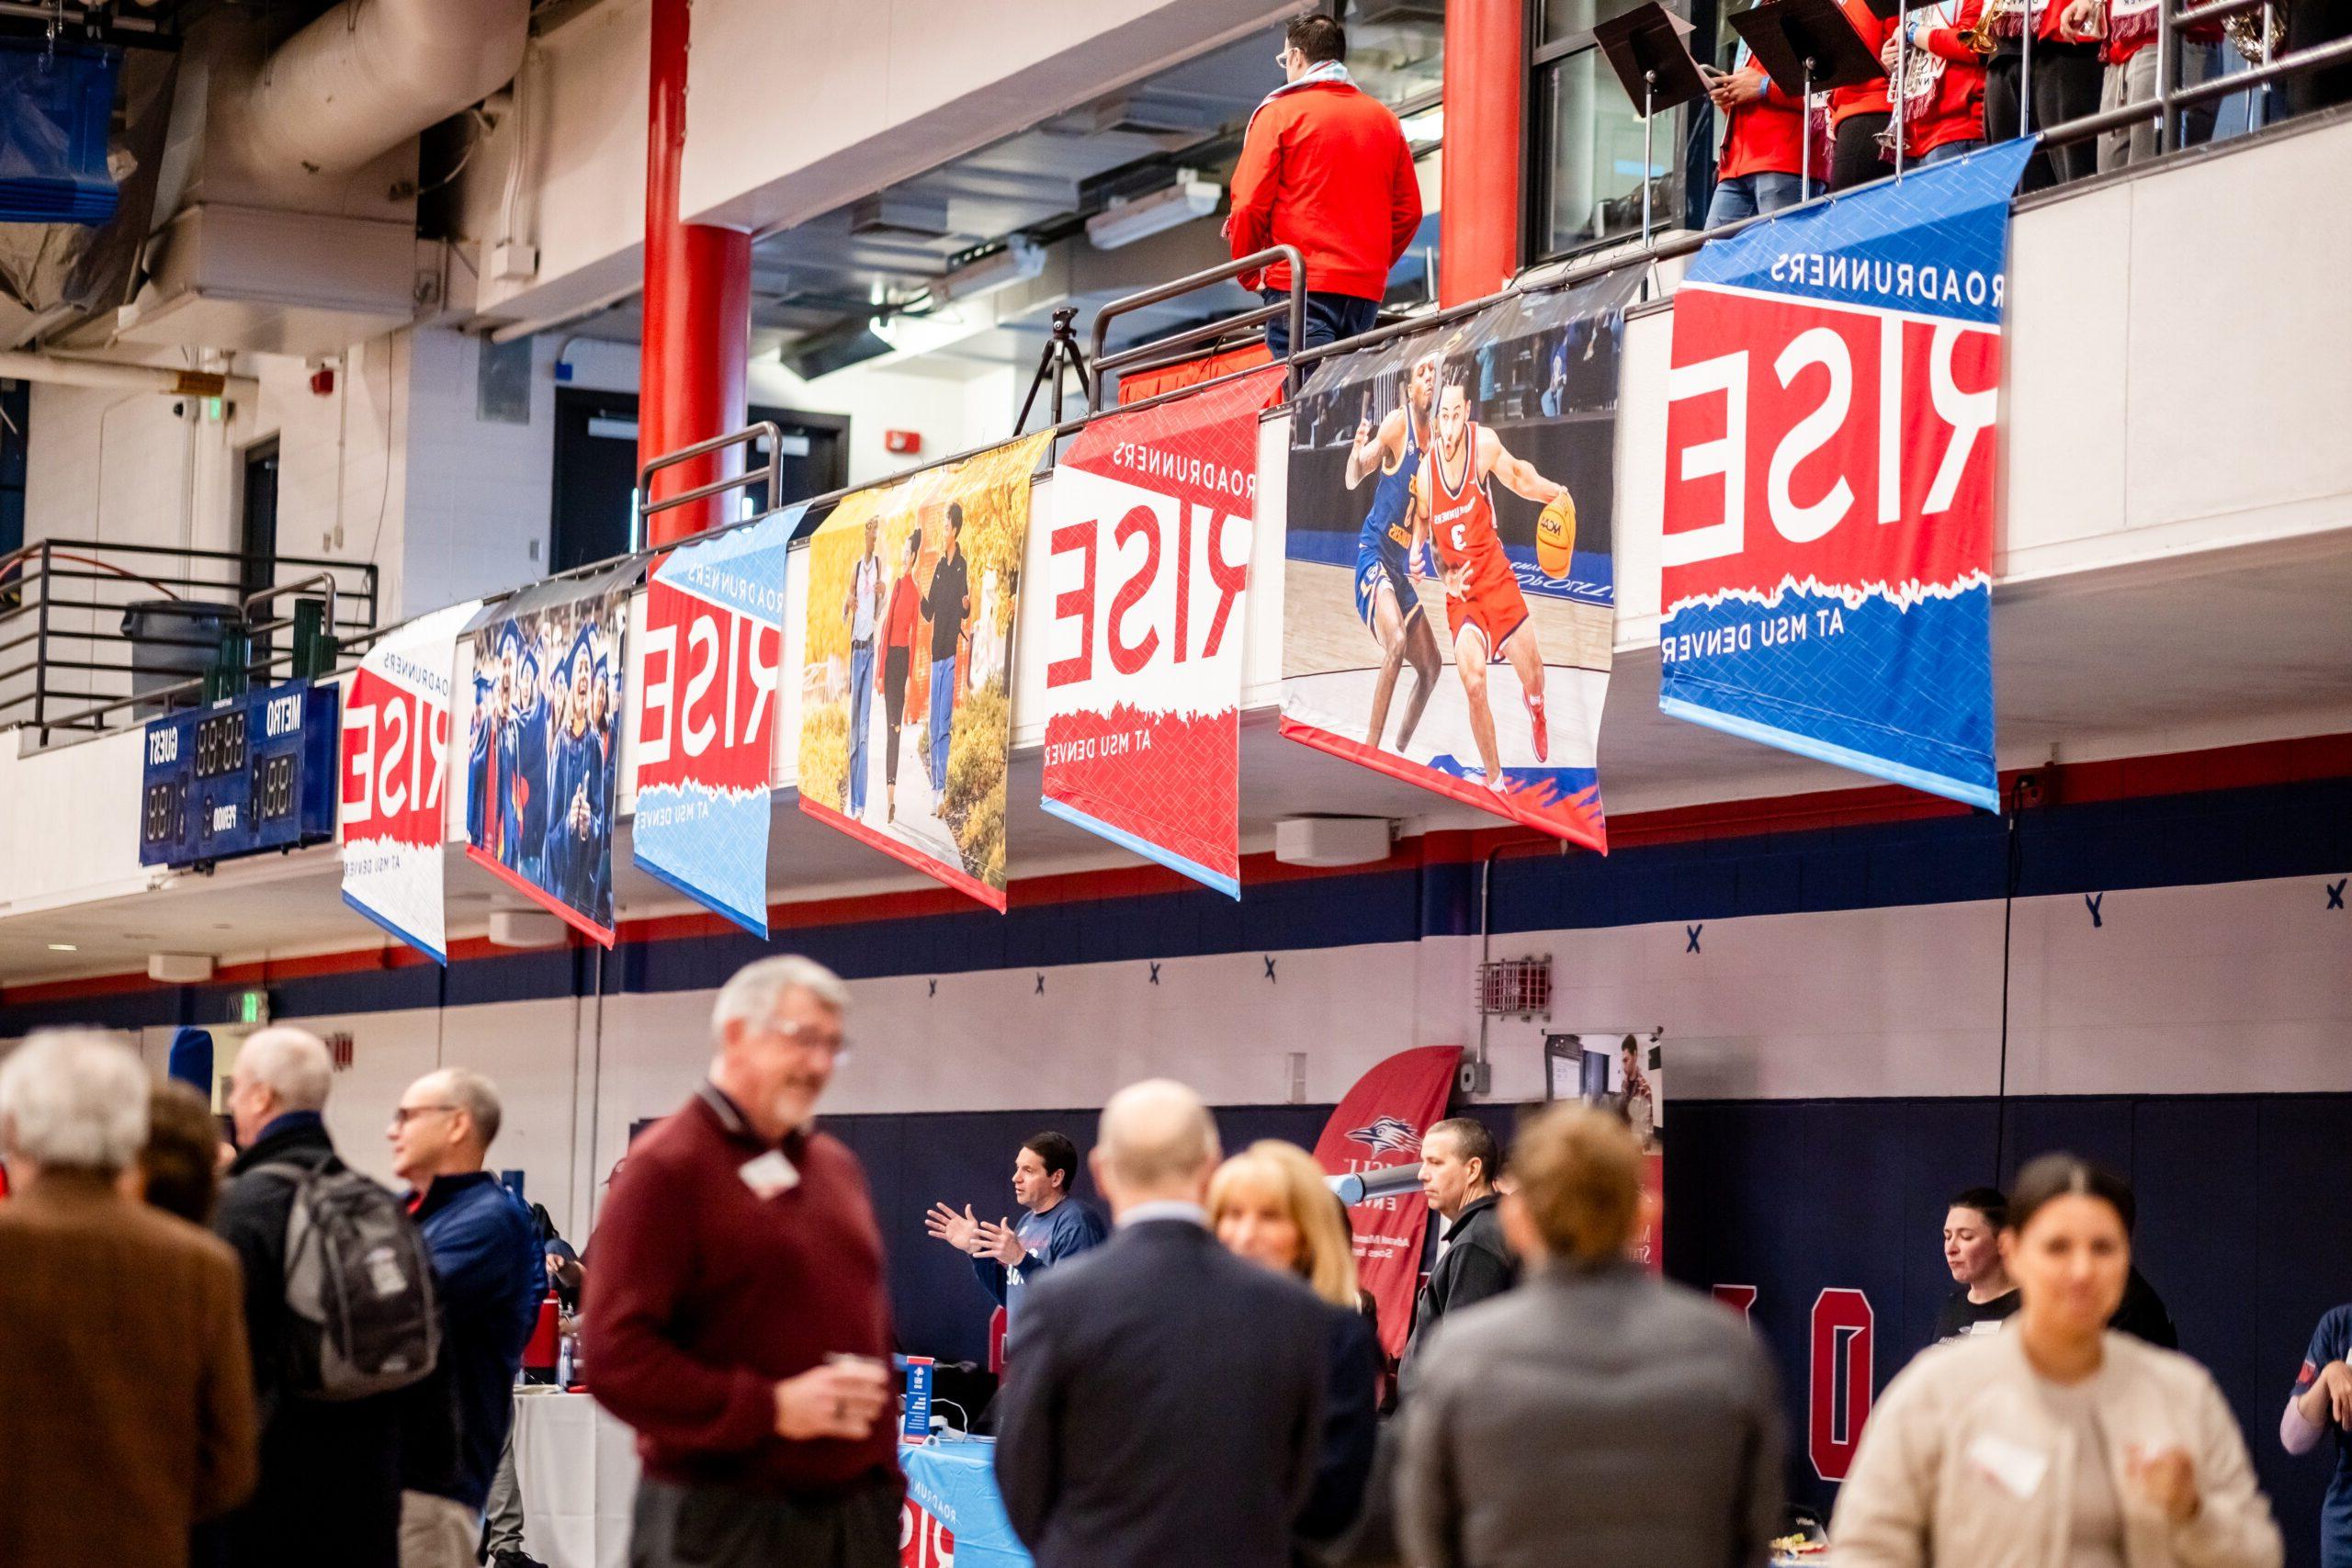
1830,478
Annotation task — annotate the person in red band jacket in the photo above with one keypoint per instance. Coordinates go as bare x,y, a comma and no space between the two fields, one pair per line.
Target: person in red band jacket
1762,160
2066,78
2128,28
1946,120
1858,114
1326,168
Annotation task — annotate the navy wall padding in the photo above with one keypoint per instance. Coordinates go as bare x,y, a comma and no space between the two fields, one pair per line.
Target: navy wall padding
2243,1226
2213,836
2243,1229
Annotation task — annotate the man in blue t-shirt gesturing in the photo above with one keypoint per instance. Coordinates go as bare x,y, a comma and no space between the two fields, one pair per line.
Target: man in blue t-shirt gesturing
2322,1406
1052,1230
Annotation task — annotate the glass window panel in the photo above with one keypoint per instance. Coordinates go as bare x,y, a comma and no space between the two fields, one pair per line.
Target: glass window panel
1396,48
1567,18
1592,157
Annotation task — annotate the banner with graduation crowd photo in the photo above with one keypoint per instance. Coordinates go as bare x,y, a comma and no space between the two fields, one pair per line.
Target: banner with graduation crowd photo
1153,519
906,711
706,732
395,779
543,742
1449,606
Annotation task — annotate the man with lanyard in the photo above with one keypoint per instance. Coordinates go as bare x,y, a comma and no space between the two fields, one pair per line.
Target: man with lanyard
1009,1257
1474,1261
863,610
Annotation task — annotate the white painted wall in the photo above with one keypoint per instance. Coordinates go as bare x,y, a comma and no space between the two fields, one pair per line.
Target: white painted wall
2219,989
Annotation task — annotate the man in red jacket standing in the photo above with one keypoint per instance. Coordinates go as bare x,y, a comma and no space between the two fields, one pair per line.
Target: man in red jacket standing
1761,166
1326,168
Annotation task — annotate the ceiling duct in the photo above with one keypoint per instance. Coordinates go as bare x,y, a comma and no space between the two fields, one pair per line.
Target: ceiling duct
901,215
364,78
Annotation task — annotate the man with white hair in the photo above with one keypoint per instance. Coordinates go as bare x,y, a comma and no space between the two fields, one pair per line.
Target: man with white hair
330,1486
122,1343
737,1316
1167,1401
489,1275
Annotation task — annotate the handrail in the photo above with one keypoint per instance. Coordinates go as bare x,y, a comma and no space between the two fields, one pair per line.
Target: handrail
245,608
1176,288
749,434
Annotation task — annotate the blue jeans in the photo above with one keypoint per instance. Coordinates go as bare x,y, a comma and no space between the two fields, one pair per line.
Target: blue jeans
861,720
1330,318
1752,195
1948,151
943,717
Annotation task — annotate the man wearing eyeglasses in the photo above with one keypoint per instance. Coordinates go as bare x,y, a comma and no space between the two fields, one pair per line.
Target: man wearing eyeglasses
1324,167
491,1277
737,1315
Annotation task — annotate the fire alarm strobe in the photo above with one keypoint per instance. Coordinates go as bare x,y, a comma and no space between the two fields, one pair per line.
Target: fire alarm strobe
902,442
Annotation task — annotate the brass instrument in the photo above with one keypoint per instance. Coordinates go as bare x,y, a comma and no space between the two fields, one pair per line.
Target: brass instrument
1982,37
2245,30
1923,68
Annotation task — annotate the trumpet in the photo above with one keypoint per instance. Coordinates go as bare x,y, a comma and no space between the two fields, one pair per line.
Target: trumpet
1984,37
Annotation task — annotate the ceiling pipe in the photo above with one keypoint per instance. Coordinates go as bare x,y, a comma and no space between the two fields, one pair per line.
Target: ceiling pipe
368,75
125,378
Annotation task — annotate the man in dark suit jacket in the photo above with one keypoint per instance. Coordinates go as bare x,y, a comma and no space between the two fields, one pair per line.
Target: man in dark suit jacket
1166,1399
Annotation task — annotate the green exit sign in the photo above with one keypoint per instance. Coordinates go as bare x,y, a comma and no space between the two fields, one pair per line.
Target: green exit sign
252,1007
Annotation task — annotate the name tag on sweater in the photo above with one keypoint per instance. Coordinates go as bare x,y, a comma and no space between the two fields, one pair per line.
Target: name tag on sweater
2015,1467
769,1175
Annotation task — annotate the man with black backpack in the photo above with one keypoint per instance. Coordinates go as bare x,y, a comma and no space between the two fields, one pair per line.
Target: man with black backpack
339,1313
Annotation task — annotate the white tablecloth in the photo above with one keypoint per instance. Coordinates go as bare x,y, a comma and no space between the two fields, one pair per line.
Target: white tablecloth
577,1469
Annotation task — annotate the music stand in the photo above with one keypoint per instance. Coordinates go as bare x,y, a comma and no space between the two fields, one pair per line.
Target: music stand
1804,45
1893,10
1645,46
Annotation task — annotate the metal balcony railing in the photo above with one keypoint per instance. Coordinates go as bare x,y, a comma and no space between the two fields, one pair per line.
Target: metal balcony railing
96,636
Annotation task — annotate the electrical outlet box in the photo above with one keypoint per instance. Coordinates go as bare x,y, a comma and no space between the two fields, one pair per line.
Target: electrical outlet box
1474,1077
513,263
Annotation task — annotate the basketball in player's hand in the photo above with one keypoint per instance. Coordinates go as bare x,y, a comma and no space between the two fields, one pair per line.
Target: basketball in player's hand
1556,536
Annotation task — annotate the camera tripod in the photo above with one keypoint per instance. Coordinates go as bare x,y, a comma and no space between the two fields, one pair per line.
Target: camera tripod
1061,354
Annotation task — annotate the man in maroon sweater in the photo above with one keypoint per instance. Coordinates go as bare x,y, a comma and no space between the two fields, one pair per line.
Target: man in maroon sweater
737,1317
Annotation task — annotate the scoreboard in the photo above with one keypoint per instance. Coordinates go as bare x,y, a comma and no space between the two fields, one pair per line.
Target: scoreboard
241,775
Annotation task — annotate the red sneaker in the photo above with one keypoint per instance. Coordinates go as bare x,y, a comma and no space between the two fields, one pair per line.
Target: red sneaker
1535,723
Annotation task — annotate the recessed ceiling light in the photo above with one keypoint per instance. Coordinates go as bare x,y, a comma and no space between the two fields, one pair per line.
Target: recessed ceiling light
62,947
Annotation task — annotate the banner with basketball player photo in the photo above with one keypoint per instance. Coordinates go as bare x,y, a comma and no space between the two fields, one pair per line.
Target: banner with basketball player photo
707,701
1450,596
1830,478
906,711
395,779
1153,513
543,742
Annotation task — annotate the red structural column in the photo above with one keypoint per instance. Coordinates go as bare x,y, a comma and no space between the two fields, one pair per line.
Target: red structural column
1479,196
698,306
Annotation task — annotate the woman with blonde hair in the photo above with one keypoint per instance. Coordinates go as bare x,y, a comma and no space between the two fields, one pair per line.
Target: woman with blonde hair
1271,1204
2060,1443
1655,1410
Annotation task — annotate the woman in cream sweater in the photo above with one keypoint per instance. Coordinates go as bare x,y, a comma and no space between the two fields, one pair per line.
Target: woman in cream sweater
2058,1444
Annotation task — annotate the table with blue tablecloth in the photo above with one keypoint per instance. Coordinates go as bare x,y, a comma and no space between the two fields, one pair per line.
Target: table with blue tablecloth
954,1480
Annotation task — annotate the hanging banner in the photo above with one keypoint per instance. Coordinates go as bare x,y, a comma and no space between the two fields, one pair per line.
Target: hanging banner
395,775
1380,1123
1625,1074
706,731
543,742
906,711
1153,515
1449,606
1829,485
